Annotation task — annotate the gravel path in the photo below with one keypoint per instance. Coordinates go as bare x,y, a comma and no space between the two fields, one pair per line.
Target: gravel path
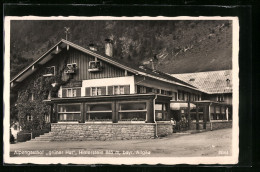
210,143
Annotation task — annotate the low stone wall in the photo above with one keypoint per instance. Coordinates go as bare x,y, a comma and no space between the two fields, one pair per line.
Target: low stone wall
213,125
107,131
164,129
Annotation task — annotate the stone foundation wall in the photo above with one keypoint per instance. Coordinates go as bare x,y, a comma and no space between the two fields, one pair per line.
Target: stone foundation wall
106,131
215,125
164,129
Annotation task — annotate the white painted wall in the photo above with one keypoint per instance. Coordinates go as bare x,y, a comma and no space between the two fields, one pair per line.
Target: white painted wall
126,80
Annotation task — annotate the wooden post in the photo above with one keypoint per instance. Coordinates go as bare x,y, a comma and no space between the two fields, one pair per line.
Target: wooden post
55,113
189,119
51,114
226,112
214,111
150,111
205,114
168,111
115,109
197,117
82,112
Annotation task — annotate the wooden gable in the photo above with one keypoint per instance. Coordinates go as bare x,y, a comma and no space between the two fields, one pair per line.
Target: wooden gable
83,60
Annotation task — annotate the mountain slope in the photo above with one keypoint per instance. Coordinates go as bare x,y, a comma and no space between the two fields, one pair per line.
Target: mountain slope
180,46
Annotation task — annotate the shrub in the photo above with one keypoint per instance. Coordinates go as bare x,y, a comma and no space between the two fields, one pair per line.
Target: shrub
23,136
11,138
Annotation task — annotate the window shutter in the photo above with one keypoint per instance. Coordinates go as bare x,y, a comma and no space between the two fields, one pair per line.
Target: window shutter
87,91
103,90
110,90
78,92
127,89
64,92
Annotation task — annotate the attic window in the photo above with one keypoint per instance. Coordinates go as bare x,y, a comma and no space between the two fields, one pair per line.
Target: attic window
49,71
94,66
192,79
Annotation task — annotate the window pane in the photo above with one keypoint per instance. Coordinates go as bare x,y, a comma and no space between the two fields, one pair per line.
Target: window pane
94,91
69,108
217,109
74,93
158,107
100,107
122,90
69,93
99,116
69,117
132,116
133,106
159,116
99,91
116,90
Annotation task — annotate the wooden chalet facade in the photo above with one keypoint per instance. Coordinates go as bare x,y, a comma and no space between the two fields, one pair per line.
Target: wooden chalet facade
95,90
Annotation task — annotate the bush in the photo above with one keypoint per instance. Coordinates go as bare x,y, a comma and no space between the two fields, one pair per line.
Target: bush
11,137
23,136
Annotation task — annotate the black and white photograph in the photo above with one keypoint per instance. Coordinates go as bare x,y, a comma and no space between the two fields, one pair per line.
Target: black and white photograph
121,90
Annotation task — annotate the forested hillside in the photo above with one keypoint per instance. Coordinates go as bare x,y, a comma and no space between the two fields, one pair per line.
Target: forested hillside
180,46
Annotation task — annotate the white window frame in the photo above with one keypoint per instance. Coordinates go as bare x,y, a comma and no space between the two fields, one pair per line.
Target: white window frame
126,111
73,92
75,112
119,89
97,91
49,73
93,112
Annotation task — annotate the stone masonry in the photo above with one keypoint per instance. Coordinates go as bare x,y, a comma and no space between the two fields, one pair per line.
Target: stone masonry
107,131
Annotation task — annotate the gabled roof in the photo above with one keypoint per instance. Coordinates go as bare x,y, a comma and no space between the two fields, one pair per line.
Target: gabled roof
136,70
211,82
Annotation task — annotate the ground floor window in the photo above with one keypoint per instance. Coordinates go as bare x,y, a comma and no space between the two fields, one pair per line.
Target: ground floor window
132,111
160,112
218,114
69,112
99,112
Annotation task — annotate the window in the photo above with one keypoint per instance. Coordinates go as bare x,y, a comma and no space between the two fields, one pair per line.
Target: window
160,112
49,71
94,66
47,117
95,91
69,112
220,98
99,112
132,111
174,96
141,89
180,95
118,89
71,92
29,117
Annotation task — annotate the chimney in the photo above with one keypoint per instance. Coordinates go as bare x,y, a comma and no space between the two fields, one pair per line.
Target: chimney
109,47
92,47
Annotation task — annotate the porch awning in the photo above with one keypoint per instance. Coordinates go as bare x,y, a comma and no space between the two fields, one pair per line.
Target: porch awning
179,106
